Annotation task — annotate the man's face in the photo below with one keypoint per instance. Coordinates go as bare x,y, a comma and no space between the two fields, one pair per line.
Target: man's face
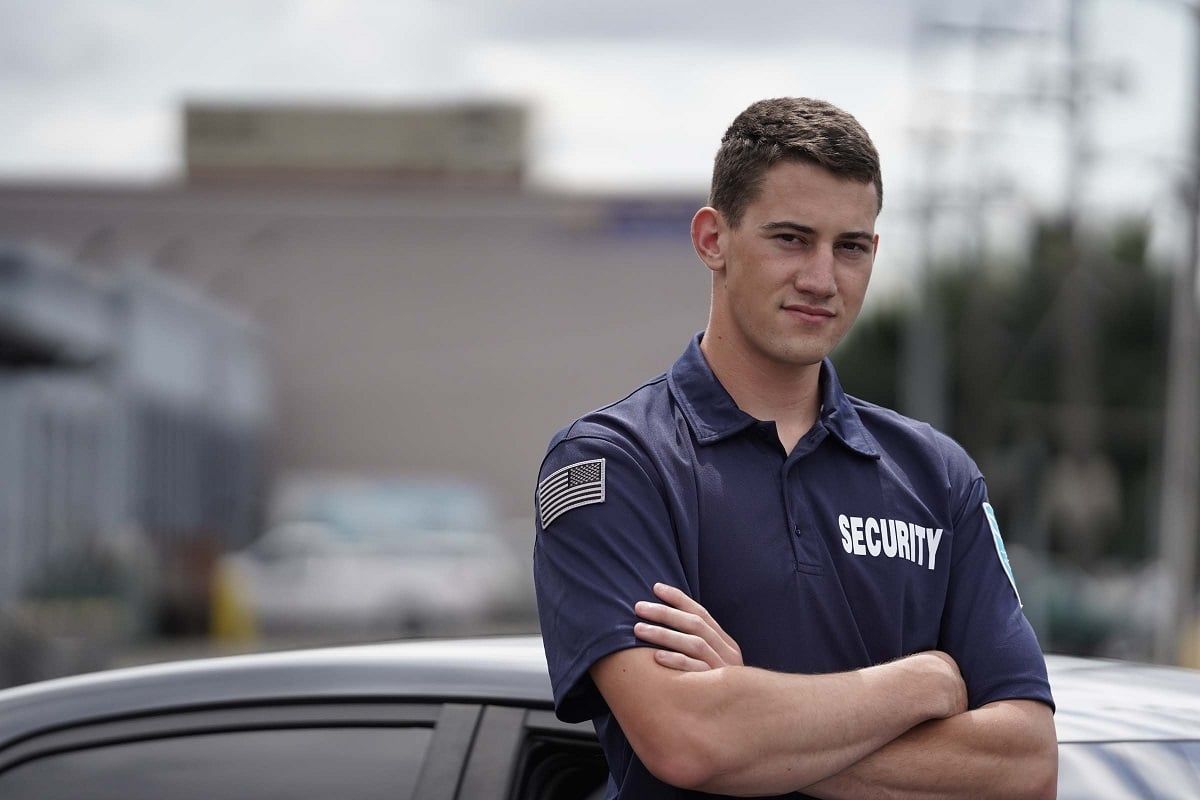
796,269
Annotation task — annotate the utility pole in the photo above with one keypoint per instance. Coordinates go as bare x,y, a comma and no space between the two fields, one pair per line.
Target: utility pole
923,380
922,384
1078,369
1178,504
1075,326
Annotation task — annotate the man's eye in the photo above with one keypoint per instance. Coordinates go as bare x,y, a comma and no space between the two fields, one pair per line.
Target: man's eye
856,246
788,237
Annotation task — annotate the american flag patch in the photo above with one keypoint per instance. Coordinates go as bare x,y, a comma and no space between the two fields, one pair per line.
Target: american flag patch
570,487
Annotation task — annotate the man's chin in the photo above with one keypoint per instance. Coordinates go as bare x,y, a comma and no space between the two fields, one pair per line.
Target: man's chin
802,356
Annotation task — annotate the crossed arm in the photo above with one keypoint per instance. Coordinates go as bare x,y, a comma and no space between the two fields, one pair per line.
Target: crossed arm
699,719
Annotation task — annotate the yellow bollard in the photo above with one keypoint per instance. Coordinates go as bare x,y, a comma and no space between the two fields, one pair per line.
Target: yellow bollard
232,623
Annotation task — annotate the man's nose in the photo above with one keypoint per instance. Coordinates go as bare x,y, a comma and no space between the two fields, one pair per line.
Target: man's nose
815,277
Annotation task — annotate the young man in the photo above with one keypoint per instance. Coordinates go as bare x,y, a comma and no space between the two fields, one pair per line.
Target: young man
870,638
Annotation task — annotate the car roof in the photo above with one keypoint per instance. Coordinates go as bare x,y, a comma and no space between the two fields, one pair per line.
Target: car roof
1107,700
490,669
1098,700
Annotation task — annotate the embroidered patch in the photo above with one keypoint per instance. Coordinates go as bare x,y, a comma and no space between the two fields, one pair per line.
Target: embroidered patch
1000,551
570,487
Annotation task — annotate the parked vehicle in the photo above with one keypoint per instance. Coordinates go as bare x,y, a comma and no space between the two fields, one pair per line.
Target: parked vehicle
411,720
360,556
460,719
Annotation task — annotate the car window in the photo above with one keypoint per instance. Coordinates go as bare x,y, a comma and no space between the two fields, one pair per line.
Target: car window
559,768
529,754
316,763
1134,770
353,506
558,761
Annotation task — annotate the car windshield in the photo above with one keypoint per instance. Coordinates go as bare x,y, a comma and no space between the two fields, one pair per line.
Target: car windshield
448,544
306,540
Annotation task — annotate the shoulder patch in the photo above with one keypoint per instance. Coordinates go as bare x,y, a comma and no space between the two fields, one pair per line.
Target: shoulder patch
1000,551
569,487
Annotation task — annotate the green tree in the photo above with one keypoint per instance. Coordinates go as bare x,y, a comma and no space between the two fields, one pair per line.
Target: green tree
1001,329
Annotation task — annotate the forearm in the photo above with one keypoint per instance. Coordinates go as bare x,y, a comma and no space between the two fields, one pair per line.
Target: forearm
1002,750
742,731
781,732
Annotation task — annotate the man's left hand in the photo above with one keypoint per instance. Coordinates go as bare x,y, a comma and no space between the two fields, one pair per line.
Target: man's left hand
692,639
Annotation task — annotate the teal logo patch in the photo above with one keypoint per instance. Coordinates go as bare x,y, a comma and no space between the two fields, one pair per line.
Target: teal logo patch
1000,551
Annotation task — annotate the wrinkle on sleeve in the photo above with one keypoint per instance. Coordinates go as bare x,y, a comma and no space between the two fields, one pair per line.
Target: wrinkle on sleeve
593,561
983,627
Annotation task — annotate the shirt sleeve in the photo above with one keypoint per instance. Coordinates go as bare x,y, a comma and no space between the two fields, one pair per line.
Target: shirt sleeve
598,550
983,626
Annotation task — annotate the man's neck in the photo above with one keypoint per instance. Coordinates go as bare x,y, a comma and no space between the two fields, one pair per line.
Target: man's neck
765,389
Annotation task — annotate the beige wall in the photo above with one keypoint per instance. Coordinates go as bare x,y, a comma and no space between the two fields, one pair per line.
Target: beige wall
414,329
483,138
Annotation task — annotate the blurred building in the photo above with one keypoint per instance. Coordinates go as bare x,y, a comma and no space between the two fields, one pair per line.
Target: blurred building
480,141
424,310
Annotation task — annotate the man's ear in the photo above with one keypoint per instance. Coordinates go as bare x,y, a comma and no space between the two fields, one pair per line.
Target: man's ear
709,237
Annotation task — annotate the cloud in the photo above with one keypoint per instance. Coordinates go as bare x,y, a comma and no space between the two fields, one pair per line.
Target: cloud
102,144
114,65
855,23
650,115
627,94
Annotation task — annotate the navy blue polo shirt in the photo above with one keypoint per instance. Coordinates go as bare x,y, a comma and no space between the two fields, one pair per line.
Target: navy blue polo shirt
871,540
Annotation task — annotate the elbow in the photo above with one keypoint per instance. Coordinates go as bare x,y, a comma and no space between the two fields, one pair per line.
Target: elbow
680,769
679,755
1029,749
1040,772
684,746
1047,788
679,732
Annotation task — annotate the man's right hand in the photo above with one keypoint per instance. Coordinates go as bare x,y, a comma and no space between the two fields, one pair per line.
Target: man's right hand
691,639
944,670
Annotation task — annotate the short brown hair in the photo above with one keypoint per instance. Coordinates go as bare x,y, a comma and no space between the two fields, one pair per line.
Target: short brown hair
788,129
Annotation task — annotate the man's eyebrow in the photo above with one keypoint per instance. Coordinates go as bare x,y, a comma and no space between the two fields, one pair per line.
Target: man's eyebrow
788,225
768,227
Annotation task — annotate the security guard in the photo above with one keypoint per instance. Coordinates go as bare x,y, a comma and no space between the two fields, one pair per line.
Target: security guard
755,584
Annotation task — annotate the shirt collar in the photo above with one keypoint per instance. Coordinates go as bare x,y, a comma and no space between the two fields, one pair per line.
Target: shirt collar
713,415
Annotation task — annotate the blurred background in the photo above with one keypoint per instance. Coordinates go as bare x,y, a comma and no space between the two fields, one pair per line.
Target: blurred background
293,294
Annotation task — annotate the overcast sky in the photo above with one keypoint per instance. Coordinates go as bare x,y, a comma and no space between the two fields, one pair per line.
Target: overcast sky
627,94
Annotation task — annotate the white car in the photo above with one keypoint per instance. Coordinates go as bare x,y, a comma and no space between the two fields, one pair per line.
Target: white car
375,557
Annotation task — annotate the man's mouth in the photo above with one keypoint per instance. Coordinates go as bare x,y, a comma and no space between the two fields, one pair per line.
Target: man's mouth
810,314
